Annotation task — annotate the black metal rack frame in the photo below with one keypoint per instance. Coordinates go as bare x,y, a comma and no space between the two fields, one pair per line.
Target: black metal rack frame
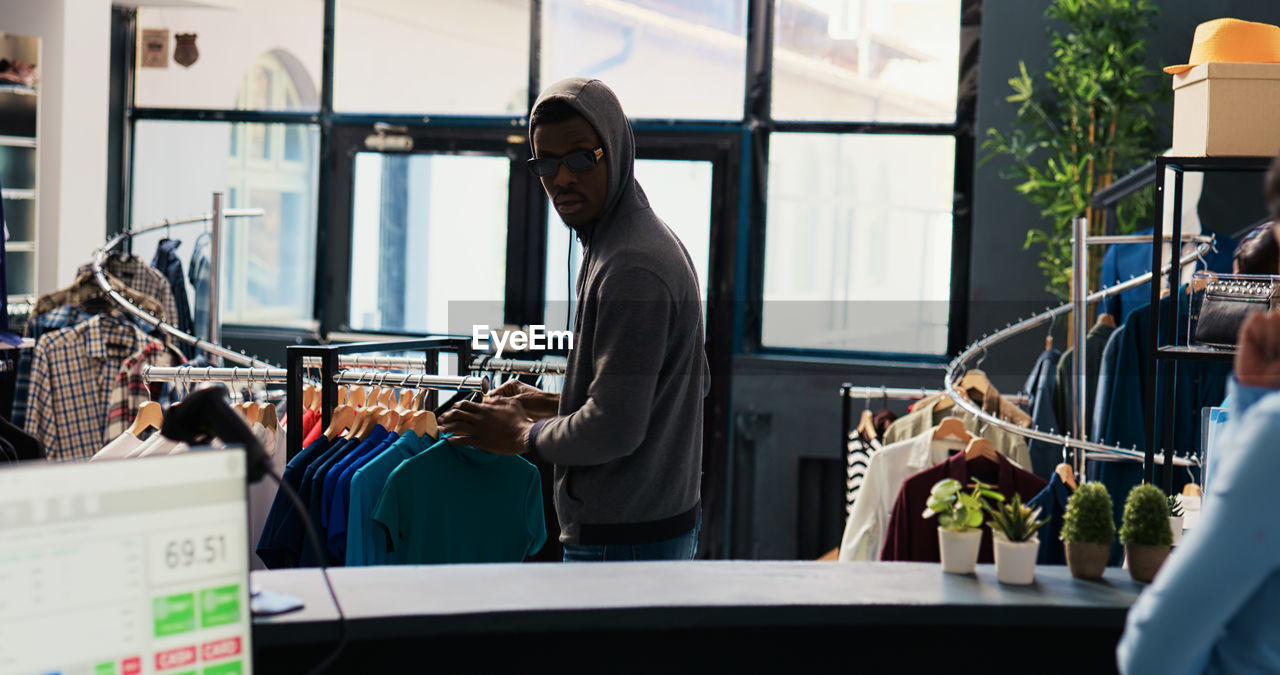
328,354
1165,352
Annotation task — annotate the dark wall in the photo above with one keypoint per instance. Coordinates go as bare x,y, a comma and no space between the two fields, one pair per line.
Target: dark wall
787,413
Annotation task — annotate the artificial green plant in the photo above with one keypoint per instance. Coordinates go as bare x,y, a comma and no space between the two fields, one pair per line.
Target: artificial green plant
1088,518
1086,121
1014,520
956,510
1146,518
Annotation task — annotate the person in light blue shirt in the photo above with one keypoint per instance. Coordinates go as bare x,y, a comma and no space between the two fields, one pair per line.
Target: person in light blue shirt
1215,605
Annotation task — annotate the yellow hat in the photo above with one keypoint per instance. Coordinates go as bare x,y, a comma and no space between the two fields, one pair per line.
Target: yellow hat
1232,41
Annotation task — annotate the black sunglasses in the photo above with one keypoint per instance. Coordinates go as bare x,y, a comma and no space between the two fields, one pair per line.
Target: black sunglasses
576,161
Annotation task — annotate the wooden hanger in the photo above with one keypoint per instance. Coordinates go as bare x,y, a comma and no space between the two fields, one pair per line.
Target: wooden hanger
356,397
1191,490
308,395
388,399
252,413
343,417
980,447
390,420
424,424
342,395
406,401
269,419
867,424
952,427
150,416
1067,474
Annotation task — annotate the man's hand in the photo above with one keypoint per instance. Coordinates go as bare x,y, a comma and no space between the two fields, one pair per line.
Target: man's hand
1258,354
499,426
537,403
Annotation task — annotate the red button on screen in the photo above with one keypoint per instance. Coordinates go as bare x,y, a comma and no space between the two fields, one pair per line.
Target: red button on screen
175,658
220,649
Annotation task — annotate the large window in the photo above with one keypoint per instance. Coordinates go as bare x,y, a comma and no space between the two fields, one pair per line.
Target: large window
667,59
428,245
832,123
858,247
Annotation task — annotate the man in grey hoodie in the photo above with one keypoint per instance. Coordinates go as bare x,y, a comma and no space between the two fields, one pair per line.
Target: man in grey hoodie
625,434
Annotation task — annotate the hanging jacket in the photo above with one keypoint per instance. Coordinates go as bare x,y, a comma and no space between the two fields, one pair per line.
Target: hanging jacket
1040,388
167,262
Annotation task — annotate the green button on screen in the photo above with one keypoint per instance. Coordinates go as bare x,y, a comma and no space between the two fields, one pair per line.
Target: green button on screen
219,606
232,668
174,614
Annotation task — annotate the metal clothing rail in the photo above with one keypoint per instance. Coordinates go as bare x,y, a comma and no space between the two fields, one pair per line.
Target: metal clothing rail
406,380
419,363
908,394
955,370
206,346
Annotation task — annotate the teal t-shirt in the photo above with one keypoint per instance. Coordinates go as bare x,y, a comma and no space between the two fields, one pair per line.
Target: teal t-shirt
366,545
456,504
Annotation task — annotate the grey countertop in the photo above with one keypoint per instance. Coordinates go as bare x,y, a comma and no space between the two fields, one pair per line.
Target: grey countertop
390,602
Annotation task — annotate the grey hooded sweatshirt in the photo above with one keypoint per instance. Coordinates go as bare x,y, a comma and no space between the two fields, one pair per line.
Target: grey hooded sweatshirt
627,443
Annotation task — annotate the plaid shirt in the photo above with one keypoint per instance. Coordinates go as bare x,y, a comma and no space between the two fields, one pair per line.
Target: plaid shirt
71,378
37,326
129,390
142,278
80,291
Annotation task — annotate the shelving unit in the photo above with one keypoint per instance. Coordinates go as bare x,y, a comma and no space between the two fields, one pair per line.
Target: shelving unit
1166,348
19,168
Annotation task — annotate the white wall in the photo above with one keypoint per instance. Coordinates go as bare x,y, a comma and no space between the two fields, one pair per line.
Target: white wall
74,69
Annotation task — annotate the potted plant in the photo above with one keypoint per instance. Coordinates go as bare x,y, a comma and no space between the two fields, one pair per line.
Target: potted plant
1014,527
1175,518
1088,529
1086,121
959,517
1145,532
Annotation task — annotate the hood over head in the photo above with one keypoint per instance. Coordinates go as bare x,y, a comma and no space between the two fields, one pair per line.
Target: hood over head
596,102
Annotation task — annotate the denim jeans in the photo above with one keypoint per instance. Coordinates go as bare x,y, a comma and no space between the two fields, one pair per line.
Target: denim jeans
683,547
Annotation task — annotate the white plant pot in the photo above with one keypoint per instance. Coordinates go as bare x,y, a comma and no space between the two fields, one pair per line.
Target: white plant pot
1016,561
1175,524
959,550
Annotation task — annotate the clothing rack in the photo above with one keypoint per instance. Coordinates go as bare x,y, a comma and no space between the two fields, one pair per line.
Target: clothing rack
400,380
211,348
849,393
326,360
481,362
1088,449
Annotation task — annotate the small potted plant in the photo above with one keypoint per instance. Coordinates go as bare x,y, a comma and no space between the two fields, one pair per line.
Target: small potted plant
1014,527
1088,529
1175,518
1145,531
959,517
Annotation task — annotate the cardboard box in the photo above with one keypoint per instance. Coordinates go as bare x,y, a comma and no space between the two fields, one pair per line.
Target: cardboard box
1227,109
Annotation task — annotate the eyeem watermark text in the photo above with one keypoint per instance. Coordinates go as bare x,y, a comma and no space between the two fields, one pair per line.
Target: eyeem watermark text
536,337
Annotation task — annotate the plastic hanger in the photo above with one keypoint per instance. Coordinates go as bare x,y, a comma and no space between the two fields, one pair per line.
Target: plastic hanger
150,416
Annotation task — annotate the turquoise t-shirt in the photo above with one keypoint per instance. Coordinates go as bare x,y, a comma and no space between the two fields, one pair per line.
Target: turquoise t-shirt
456,504
366,545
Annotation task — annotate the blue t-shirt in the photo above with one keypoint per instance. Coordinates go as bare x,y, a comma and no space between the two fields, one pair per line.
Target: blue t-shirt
336,525
330,473
457,504
272,553
366,545
309,494
1215,605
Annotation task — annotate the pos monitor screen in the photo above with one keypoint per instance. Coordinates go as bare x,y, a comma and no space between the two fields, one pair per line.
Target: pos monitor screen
125,567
